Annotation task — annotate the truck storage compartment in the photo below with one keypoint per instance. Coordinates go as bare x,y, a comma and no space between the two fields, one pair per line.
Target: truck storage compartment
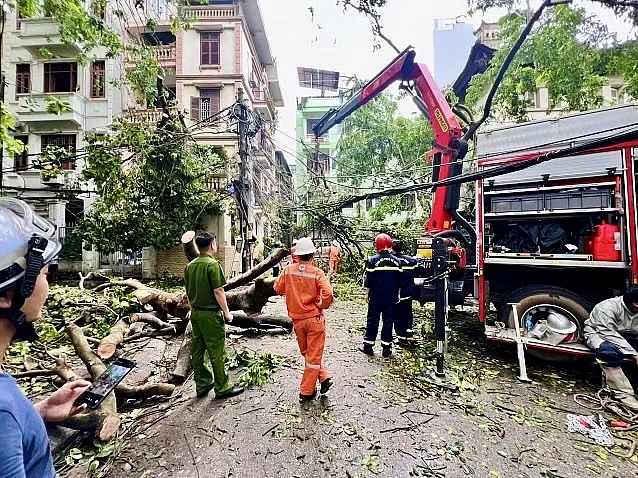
517,203
588,199
593,237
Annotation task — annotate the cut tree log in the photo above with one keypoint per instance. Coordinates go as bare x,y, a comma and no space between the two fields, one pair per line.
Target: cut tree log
188,245
152,319
263,322
183,363
95,367
108,344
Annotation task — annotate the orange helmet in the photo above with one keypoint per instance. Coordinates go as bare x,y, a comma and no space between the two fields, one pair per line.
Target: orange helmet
383,242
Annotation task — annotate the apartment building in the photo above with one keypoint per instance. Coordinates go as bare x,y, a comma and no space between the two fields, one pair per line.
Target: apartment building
55,101
223,56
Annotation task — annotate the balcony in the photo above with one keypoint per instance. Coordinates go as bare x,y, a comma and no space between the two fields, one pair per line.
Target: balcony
165,55
34,109
44,32
206,13
153,116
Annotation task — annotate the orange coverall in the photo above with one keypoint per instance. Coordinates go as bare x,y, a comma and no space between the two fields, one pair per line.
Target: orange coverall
333,259
307,293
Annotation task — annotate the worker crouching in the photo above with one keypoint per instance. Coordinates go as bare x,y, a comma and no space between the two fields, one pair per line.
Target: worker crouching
382,284
612,332
308,293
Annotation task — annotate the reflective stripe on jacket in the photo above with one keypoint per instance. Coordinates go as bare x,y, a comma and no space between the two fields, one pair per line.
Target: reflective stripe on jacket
306,289
383,278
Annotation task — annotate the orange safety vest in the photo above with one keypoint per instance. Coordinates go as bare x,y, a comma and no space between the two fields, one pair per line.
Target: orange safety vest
306,288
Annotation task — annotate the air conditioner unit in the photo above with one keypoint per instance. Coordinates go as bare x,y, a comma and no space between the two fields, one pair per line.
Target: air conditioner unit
54,181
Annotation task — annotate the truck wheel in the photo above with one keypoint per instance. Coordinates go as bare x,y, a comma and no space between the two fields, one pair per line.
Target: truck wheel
535,301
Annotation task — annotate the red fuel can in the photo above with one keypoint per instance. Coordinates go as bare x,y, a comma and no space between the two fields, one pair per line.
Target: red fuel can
604,244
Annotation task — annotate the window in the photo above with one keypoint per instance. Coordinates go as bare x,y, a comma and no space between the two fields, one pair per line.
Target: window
97,79
66,141
311,124
23,78
21,160
60,77
206,105
209,45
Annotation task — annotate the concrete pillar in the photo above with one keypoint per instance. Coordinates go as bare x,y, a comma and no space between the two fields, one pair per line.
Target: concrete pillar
149,263
57,212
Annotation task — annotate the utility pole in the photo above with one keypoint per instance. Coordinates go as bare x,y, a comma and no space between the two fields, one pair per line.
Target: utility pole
242,197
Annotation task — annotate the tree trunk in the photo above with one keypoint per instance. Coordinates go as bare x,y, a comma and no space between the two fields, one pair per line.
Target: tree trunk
183,363
256,271
108,344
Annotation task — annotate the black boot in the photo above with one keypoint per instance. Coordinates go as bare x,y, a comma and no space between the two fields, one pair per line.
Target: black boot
307,398
325,386
366,349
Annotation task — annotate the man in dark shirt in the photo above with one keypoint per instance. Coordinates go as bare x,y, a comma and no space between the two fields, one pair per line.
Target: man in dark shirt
382,284
205,282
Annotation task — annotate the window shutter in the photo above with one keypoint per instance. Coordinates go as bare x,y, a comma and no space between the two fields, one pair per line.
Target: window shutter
195,108
214,102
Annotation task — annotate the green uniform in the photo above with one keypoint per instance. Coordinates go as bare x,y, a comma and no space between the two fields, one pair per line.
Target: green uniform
201,276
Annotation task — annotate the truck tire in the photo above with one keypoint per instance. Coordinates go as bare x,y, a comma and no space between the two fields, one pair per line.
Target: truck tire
532,297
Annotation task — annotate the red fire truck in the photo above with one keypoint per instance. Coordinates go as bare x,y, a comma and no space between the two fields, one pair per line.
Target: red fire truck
555,214
557,237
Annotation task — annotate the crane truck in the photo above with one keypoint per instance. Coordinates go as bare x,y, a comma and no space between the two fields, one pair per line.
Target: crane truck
555,214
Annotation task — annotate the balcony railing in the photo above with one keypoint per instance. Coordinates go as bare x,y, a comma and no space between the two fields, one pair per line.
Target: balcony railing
206,12
143,116
163,53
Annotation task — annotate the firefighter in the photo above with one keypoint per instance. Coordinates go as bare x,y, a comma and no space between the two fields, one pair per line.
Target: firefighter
204,281
27,247
383,284
333,258
612,332
308,293
404,319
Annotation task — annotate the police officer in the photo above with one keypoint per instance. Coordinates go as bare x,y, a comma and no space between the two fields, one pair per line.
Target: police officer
404,319
383,284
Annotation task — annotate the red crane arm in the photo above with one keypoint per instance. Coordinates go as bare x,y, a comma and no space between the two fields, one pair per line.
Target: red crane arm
447,131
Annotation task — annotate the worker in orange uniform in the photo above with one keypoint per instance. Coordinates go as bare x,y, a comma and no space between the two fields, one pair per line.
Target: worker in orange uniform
308,293
293,250
333,258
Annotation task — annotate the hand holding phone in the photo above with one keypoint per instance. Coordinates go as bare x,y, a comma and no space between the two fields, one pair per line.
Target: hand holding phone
105,383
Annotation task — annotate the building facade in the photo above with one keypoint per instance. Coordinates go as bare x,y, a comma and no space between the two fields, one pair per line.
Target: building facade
224,56
452,43
55,101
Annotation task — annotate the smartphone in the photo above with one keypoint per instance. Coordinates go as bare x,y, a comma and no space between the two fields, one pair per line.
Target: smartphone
106,382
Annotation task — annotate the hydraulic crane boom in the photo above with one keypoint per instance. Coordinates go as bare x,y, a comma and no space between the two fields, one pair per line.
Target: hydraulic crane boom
448,147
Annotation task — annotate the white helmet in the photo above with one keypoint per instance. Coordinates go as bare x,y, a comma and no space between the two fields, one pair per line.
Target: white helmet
25,244
305,246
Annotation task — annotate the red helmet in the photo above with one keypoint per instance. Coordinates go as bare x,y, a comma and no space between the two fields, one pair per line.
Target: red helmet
383,242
